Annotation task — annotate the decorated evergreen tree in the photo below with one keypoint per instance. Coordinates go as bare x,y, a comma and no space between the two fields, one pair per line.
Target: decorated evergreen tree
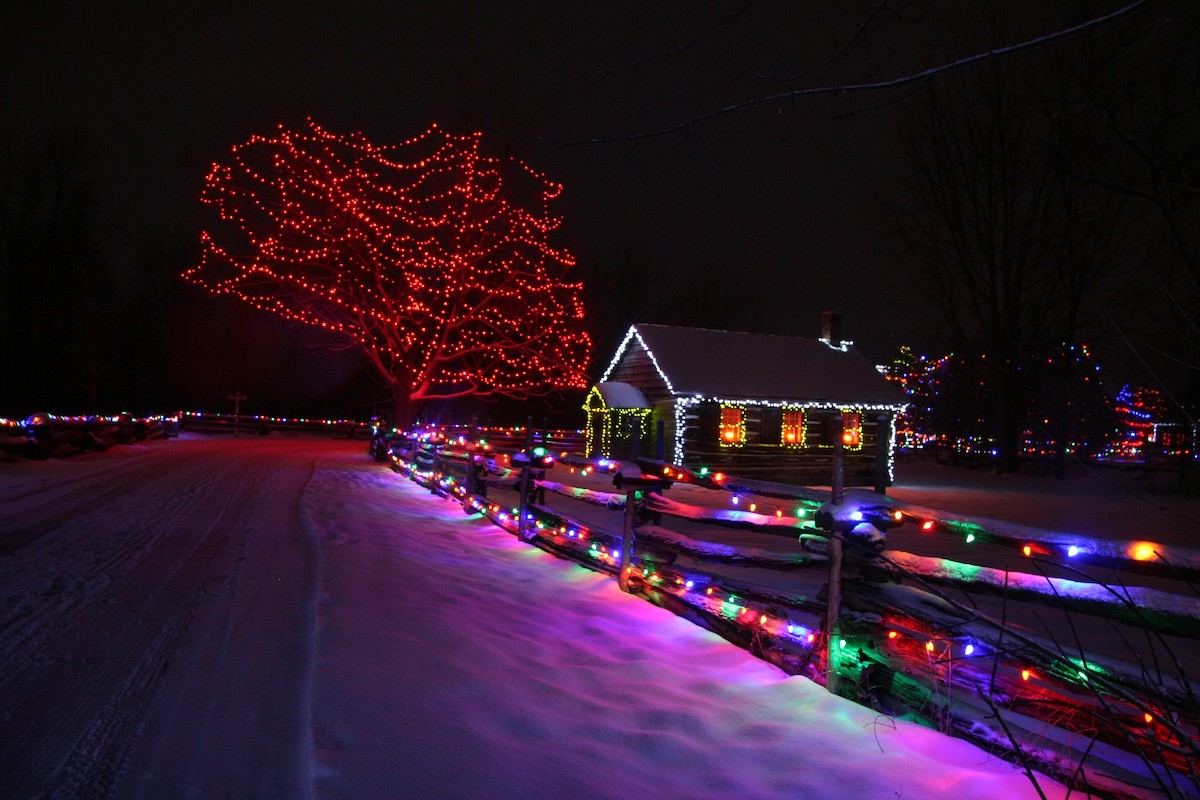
432,258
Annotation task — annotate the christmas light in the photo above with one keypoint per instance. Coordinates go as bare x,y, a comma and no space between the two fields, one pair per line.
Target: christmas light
731,431
1143,551
792,429
433,258
732,426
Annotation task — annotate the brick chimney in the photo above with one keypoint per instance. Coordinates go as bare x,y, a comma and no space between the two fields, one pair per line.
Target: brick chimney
831,327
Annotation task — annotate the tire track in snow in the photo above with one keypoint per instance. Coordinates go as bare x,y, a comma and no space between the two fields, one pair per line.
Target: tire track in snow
71,568
75,741
231,718
64,496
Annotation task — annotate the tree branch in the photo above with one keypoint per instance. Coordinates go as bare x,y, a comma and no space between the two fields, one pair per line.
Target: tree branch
871,86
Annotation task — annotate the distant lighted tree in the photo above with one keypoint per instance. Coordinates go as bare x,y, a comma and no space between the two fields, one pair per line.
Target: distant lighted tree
432,258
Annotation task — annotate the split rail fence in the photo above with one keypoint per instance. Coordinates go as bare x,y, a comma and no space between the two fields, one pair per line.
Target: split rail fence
1006,659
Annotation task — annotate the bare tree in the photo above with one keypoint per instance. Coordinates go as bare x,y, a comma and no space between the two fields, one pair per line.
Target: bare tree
1012,250
437,262
886,22
53,275
1137,91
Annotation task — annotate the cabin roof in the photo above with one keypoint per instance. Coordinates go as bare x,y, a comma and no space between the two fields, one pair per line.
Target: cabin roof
616,394
734,365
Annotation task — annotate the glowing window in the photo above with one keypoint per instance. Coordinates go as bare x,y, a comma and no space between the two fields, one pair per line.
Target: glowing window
793,427
733,426
851,430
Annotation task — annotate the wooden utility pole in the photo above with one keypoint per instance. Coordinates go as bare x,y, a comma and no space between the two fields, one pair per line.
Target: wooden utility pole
237,398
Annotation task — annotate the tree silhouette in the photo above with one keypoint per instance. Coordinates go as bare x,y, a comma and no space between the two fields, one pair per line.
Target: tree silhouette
1014,252
420,254
883,27
55,281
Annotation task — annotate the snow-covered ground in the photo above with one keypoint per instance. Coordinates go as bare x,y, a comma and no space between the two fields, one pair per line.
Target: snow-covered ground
1094,501
284,618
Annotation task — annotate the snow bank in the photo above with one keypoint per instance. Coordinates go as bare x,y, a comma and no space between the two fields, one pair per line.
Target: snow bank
454,661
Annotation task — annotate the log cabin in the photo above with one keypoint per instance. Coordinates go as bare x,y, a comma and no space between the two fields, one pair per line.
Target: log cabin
747,404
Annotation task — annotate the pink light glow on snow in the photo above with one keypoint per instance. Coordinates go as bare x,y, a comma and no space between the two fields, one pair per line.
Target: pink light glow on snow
351,635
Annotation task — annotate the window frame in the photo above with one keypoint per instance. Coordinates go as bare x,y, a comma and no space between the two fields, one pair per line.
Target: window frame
738,428
797,427
854,432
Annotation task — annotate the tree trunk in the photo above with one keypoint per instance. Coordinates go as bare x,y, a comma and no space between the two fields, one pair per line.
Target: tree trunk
402,408
1008,440
1009,413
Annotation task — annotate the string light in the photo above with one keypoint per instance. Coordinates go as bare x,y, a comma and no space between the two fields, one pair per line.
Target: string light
420,253
943,650
792,433
732,425
732,430
612,422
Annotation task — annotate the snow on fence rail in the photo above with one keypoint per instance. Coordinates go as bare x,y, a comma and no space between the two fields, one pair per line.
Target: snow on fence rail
1111,726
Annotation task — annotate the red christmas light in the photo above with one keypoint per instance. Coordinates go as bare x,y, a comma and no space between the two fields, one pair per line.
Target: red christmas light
420,253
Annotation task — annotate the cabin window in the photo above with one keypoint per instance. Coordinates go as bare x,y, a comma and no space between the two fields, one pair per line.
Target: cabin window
732,430
792,429
851,430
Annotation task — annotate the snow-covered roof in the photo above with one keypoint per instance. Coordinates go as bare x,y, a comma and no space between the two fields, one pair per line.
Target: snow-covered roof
729,364
616,394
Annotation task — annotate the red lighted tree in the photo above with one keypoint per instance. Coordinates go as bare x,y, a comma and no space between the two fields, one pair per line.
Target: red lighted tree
420,254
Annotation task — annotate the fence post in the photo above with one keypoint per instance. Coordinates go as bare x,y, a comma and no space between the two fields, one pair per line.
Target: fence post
525,477
883,446
627,542
832,611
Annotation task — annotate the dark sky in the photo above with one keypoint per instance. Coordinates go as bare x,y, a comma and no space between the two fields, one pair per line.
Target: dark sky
783,200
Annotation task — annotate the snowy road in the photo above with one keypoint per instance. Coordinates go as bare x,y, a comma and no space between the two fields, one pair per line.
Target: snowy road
283,618
137,586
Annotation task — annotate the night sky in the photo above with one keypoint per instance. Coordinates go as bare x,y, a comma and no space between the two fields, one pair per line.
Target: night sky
781,203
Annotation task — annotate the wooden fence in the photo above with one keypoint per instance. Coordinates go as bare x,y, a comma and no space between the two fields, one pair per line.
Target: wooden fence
969,649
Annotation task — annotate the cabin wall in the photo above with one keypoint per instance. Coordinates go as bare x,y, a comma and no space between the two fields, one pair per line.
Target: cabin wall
762,454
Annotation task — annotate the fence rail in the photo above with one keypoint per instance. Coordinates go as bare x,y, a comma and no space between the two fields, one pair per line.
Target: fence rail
941,642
